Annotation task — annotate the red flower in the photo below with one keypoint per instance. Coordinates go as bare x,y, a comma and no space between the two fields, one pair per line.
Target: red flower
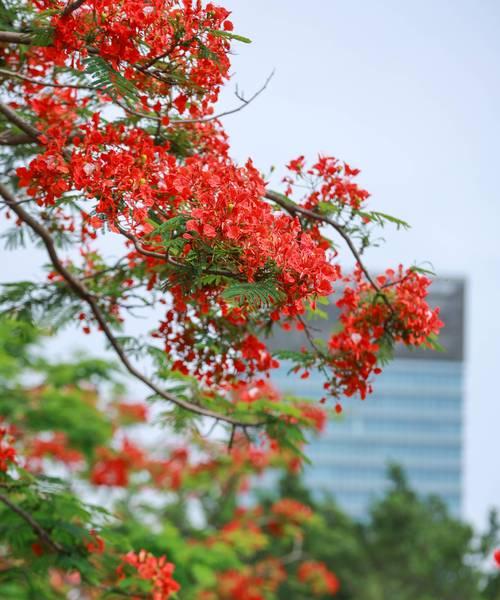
318,577
7,452
156,570
496,557
96,543
110,471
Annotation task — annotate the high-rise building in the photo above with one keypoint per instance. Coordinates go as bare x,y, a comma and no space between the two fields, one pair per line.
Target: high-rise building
413,419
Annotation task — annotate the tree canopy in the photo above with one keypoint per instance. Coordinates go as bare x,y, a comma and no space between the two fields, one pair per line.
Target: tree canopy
115,163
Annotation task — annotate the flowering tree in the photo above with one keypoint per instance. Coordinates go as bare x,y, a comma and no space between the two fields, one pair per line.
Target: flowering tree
162,502
110,135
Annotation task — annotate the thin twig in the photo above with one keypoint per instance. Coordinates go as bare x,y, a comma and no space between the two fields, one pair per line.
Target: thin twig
75,86
244,104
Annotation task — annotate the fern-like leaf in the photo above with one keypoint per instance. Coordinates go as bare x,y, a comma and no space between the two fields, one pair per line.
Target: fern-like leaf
260,293
104,77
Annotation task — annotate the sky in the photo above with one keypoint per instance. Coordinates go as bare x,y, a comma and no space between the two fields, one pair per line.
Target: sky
409,92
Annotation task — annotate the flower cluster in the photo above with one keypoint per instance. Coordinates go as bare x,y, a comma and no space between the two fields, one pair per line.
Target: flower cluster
250,584
369,319
7,452
55,447
320,580
331,182
135,36
158,571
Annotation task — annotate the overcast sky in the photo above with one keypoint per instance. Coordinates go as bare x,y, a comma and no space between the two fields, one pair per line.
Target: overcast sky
410,93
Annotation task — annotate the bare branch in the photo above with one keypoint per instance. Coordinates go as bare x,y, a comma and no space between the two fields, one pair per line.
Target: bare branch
23,125
244,104
296,553
15,37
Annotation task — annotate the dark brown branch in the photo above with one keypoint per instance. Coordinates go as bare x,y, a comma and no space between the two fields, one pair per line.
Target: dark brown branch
37,528
23,125
15,37
81,291
71,7
7,138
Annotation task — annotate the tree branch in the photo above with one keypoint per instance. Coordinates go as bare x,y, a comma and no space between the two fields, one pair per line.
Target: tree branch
7,138
23,125
244,104
82,292
75,86
294,210
169,259
15,37
37,528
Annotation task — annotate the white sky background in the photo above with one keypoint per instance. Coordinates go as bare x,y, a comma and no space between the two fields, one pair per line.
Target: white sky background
410,93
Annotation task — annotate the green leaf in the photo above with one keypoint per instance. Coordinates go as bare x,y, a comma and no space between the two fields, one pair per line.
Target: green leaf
423,271
43,36
204,575
7,16
260,293
104,77
381,218
231,36
167,227
432,340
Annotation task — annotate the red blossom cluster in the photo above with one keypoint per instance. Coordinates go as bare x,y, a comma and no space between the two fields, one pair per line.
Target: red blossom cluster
496,557
368,318
332,183
250,584
96,544
158,571
7,451
113,468
291,510
133,412
198,207
133,36
319,578
55,447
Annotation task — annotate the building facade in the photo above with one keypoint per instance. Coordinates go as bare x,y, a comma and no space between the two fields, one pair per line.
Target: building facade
413,419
